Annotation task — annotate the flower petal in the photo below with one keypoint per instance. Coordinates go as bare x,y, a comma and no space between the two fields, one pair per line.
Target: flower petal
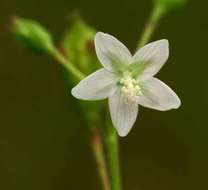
110,51
99,85
154,55
158,95
123,114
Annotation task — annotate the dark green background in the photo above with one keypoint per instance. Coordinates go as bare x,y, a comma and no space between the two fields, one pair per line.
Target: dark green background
43,144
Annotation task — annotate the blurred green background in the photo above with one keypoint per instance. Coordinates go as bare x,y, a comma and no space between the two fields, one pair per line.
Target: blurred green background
43,143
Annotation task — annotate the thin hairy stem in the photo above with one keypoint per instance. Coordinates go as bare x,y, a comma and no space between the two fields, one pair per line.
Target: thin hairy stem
97,147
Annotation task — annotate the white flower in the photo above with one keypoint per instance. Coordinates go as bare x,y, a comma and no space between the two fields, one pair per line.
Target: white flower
127,80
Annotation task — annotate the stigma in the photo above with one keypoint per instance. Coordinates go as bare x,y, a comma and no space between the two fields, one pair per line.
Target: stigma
130,88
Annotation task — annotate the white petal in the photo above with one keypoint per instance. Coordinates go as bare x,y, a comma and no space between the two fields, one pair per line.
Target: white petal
111,51
154,54
123,114
99,85
158,95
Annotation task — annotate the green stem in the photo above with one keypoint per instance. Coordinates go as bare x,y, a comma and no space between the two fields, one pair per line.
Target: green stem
95,138
68,65
97,148
112,148
157,14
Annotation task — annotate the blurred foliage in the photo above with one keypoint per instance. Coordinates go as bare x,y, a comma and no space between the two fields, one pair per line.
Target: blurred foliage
78,46
171,4
32,35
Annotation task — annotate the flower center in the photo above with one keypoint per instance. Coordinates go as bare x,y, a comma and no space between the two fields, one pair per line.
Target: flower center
130,88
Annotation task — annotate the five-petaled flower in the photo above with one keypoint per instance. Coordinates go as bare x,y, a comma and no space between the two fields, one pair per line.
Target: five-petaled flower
128,81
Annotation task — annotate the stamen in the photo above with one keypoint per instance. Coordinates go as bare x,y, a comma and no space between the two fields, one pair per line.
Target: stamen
130,88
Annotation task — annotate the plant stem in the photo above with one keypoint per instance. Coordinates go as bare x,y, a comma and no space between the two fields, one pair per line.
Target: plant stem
97,148
112,147
95,139
78,75
157,13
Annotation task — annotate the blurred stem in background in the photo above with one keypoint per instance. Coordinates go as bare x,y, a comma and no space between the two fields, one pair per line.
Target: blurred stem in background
95,135
157,13
112,147
160,8
77,75
97,147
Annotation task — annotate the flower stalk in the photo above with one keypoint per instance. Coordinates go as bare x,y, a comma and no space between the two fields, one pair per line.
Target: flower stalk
78,75
156,15
37,38
112,148
97,147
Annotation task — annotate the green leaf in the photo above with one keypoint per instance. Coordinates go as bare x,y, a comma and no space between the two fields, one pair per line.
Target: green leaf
32,35
78,46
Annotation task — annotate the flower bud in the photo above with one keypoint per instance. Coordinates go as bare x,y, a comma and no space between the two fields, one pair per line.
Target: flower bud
32,35
171,4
